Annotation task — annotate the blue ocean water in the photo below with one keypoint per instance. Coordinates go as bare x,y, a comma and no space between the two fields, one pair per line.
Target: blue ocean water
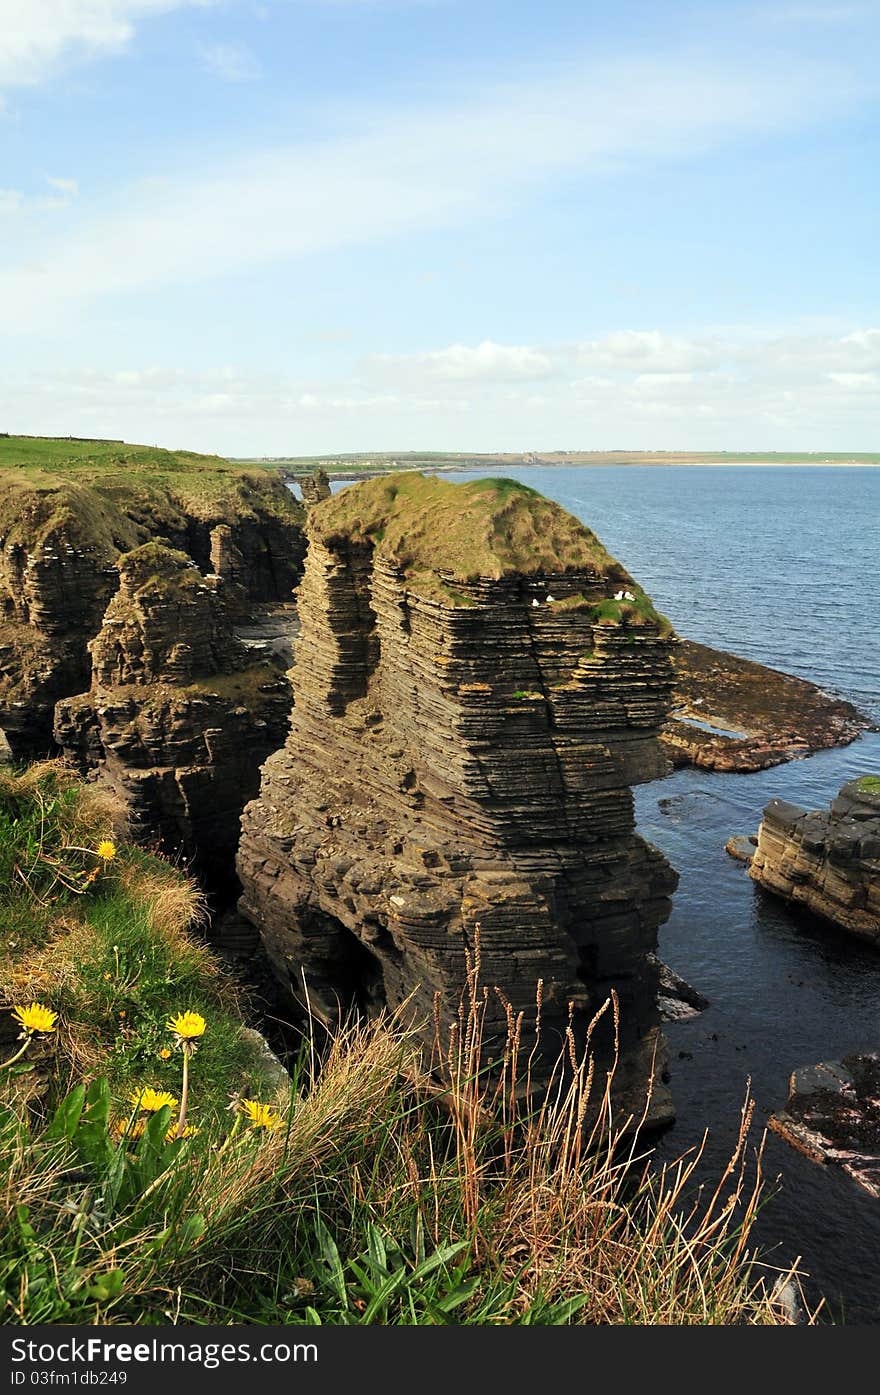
779,564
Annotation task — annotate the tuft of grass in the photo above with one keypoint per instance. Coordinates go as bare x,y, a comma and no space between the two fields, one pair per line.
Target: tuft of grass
631,614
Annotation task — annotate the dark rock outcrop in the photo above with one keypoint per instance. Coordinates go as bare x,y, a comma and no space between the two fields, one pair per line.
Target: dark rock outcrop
677,999
477,685
732,714
179,717
315,487
826,860
833,1116
60,538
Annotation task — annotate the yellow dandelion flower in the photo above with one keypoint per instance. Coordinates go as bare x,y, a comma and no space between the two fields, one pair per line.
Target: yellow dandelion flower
164,1054
35,1018
106,850
187,1025
129,1128
150,1100
261,1116
189,1131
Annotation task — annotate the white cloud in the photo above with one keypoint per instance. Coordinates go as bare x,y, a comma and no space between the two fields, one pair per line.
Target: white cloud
16,201
233,62
793,391
36,36
647,351
488,361
409,169
70,187
857,381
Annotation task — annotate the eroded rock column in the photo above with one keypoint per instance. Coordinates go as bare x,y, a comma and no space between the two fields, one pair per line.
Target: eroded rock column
459,765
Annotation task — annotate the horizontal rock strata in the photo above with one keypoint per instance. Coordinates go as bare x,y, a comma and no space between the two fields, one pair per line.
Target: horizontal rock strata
826,860
477,685
61,536
178,718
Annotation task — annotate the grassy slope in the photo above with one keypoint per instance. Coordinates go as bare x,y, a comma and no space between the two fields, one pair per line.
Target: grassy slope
112,954
115,495
386,1197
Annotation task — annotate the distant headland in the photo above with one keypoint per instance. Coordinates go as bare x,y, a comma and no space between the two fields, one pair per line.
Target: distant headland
360,463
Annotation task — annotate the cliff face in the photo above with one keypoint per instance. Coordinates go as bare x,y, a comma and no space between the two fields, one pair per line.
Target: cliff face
178,719
826,860
61,534
477,685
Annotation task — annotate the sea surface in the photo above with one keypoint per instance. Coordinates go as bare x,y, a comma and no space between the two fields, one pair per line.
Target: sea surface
781,565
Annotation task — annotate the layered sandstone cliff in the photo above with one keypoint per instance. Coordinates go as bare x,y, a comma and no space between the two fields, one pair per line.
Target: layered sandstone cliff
62,530
826,860
178,717
477,685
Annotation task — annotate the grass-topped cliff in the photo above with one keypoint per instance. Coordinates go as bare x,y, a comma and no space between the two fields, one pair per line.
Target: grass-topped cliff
70,509
486,528
440,532
111,495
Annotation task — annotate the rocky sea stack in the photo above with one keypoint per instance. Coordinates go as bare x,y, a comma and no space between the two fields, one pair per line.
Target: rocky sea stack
477,684
826,860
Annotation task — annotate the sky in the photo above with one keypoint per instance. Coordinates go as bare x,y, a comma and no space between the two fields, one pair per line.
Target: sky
285,227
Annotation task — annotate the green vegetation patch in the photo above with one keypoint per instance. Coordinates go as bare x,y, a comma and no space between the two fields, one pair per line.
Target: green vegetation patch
112,496
868,784
434,529
635,612
99,931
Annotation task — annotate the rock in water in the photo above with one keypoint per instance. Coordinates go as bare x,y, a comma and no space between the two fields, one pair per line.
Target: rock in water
826,860
315,487
458,767
833,1116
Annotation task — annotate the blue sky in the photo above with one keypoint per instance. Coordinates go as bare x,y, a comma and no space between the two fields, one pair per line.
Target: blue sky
288,226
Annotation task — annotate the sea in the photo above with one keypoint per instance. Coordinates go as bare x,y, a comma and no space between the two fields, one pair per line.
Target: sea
780,564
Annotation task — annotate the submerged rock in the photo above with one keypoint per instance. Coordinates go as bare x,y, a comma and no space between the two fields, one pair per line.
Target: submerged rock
741,846
826,860
472,706
833,1116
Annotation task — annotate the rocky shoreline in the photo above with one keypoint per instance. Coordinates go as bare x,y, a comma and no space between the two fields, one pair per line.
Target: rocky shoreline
734,715
478,685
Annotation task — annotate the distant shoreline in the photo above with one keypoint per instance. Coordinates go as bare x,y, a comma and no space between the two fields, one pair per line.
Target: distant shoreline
361,466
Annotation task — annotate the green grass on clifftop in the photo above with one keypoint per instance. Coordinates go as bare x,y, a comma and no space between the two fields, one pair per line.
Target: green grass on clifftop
485,528
112,495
